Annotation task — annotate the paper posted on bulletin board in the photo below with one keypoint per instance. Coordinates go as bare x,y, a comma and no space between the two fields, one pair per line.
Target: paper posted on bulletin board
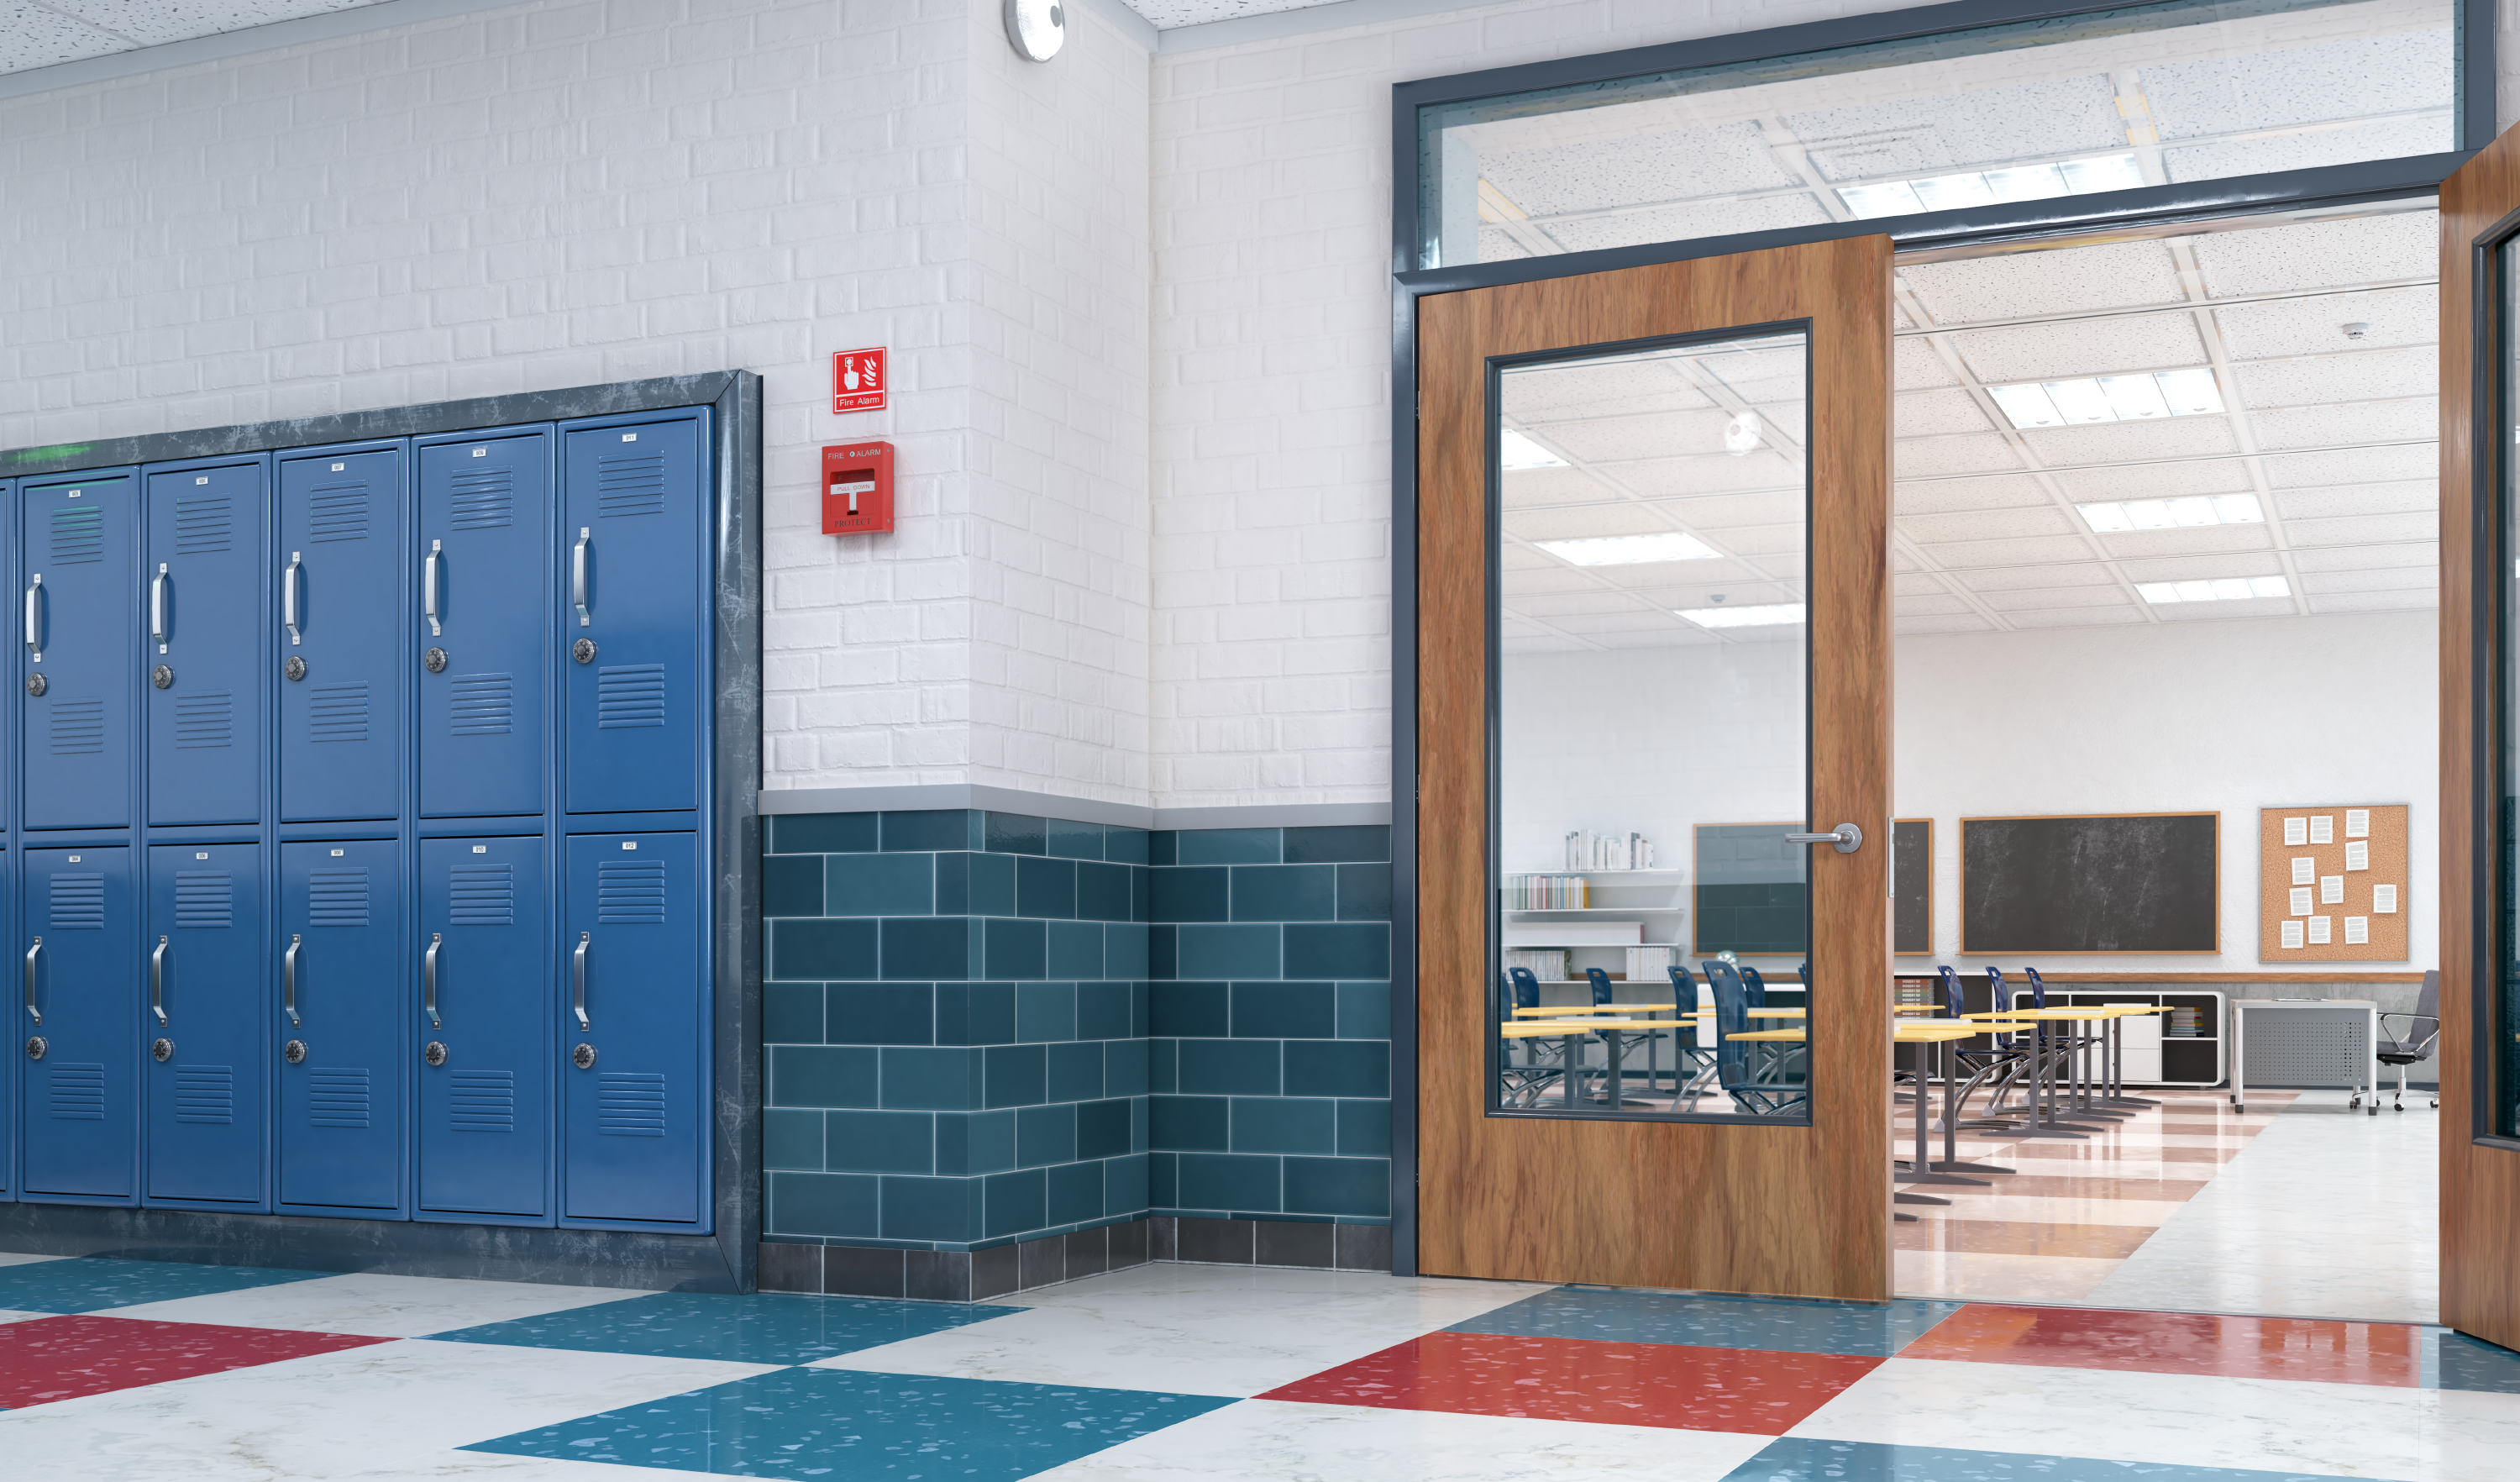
2332,884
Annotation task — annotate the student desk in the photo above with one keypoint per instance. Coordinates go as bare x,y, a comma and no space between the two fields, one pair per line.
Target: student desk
1574,1032
1947,1034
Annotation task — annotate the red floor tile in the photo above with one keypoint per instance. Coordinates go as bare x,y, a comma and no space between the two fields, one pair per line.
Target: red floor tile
48,1359
2177,1343
1746,1391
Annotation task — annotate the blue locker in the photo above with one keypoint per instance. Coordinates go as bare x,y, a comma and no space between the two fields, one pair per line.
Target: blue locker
482,626
634,609
338,648
340,1023
201,969
77,539
79,1092
634,1016
201,569
485,1019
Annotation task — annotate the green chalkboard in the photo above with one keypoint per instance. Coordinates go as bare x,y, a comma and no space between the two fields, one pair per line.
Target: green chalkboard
2091,884
1753,890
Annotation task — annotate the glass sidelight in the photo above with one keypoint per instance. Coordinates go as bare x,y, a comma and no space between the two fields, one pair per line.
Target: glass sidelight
1650,538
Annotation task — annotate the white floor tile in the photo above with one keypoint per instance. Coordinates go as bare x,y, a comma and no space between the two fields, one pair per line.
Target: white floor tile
377,1306
21,1317
9,1258
1969,1203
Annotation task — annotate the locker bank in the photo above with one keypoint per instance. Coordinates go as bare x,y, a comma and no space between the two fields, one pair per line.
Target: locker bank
369,855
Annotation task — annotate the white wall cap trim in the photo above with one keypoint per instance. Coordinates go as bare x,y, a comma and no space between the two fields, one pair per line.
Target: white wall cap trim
1081,810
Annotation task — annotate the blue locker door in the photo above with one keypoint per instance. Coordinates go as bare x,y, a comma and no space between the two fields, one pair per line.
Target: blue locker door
633,1145
202,649
78,544
633,602
484,548
485,1102
202,971
79,1097
341,720
341,1058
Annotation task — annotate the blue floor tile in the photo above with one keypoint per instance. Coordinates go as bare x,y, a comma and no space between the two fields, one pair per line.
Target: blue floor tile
95,1283
1778,1324
1796,1458
821,1423
762,1328
2456,1361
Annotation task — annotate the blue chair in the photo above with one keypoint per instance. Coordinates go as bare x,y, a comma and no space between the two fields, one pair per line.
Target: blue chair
2001,1064
1784,1092
1757,985
1601,982
1690,1060
1541,1060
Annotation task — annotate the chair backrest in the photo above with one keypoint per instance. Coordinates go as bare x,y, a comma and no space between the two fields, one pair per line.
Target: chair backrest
2038,988
1683,992
1755,985
1731,1017
1600,985
1804,972
2428,1000
1955,1002
1526,987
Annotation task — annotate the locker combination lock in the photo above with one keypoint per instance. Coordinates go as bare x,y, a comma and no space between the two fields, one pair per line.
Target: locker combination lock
295,668
583,650
583,1057
294,1051
35,1047
435,659
163,1051
35,684
435,1054
161,676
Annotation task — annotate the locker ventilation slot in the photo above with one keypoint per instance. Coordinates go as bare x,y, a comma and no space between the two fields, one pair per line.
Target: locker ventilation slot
633,486
481,895
78,902
337,898
78,1094
630,1106
480,501
79,728
204,526
204,898
79,535
336,512
628,696
628,894
203,721
479,704
337,714
337,1098
482,1100
205,1094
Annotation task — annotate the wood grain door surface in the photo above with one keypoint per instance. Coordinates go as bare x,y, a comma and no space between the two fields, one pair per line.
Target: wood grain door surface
1793,1210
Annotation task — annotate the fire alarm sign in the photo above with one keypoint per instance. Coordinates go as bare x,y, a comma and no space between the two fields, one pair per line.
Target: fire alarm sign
857,380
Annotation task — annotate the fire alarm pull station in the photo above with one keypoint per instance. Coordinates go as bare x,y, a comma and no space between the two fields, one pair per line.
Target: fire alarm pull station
857,488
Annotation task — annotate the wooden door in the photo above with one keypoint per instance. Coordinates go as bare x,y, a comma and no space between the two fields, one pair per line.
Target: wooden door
1556,1190
2479,1052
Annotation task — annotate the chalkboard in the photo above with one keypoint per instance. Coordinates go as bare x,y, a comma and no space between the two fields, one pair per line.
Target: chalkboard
1912,886
1753,890
2112,883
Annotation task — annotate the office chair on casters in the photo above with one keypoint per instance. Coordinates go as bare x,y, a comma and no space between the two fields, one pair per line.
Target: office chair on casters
1733,1058
2415,1046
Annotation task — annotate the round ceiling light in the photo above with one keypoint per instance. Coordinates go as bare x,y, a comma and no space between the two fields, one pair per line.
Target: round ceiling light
1036,27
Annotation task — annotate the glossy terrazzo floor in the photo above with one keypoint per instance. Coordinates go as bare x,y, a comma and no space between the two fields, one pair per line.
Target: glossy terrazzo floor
114,1370
2301,1208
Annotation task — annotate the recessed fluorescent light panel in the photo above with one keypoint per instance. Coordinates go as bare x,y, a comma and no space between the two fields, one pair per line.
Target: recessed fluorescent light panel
1630,550
1767,616
2110,398
2172,514
2026,182
1515,452
2222,588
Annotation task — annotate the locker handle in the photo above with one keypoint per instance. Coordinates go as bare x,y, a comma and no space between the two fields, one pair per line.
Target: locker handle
157,606
428,587
429,978
158,981
33,953
288,981
577,577
289,581
577,980
35,616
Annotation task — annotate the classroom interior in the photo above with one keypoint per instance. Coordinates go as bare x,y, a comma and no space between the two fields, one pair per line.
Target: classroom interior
2165,548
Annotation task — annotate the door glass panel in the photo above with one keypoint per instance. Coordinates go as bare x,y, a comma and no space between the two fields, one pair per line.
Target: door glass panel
2056,107
1650,539
2501,1026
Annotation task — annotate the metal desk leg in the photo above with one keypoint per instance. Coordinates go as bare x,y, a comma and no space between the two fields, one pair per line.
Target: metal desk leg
2240,1058
2373,1037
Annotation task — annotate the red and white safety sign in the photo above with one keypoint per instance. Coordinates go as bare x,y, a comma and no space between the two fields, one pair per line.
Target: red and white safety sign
857,380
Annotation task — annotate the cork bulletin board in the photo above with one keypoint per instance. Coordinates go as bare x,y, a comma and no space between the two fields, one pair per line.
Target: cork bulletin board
2327,875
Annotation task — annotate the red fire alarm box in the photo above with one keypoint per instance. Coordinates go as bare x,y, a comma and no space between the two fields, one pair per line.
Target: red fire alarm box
857,488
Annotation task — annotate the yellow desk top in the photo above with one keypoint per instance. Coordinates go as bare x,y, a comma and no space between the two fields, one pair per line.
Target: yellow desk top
1544,1029
1530,1013
1794,1035
1934,1034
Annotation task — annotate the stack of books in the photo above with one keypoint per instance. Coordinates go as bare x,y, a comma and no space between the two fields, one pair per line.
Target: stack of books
1546,892
1649,963
1912,991
1586,850
2187,1023
1546,966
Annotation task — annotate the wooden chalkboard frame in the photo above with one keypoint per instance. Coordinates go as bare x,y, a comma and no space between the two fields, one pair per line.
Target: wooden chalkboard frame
2216,950
1927,950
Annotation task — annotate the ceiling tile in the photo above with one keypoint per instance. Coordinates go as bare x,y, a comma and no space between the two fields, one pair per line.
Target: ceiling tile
2159,480
1701,593
1942,495
1679,635
2202,540
2153,342
1898,318
1983,525
1541,645
2209,611
1525,487
1519,557
2361,529
2036,599
2321,254
1930,133
1598,174
2421,553
1589,520
1553,606
1717,511
2363,422
2039,579
2259,87
2009,553
1937,623
2375,602
2387,139
1681,223
2347,376
1720,474
36,37
1759,541
2412,495
1559,579
2121,441
1632,620
2316,326
2054,281
1925,414
1649,581
1596,388
1496,244
2202,567
1928,456
1662,434
2310,471
1916,366
2403,579
1907,607
1921,584
2075,617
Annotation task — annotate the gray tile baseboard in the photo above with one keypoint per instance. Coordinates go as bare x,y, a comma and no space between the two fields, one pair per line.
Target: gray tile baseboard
980,1276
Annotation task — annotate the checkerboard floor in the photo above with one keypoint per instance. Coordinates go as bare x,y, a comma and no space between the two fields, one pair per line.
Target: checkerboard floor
114,1370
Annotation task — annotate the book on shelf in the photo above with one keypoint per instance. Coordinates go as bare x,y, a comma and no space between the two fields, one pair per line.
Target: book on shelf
1546,892
1914,991
1547,966
2187,1023
1649,963
1588,850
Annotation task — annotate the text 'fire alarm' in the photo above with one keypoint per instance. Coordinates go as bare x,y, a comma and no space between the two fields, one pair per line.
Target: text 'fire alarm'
857,488
858,383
